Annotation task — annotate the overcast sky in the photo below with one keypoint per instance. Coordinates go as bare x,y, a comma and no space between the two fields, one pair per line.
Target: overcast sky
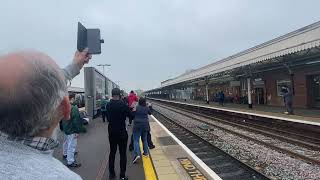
148,41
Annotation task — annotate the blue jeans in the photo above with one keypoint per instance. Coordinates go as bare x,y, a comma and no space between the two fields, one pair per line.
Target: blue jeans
69,147
137,133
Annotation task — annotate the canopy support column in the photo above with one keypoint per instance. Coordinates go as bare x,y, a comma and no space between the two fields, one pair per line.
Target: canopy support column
249,93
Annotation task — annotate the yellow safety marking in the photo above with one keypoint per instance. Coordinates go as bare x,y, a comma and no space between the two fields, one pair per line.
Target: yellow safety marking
149,171
191,169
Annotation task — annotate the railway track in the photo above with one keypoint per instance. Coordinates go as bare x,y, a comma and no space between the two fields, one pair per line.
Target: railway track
260,129
305,135
226,166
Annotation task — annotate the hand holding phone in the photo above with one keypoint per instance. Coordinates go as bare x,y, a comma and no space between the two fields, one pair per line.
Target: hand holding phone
89,38
82,58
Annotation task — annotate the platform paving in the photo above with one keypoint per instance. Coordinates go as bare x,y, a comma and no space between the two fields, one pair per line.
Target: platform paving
165,155
93,148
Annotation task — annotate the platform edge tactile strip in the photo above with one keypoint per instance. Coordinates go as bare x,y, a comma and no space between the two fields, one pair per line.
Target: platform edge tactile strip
164,168
175,152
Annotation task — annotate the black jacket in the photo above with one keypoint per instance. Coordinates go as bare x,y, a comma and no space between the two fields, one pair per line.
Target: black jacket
117,112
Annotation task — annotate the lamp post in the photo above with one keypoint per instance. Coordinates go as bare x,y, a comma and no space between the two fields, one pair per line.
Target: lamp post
103,65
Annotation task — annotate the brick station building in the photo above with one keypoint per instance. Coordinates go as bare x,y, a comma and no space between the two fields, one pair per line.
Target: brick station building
291,60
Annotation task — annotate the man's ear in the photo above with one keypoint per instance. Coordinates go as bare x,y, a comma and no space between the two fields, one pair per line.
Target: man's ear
66,108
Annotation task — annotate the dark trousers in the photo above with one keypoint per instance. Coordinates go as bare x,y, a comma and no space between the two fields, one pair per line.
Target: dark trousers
289,107
150,143
118,140
104,115
221,101
131,117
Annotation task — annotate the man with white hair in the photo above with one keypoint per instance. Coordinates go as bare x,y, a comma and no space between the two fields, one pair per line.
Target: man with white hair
33,99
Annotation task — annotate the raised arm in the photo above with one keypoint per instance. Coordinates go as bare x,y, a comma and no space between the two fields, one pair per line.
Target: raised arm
71,71
79,60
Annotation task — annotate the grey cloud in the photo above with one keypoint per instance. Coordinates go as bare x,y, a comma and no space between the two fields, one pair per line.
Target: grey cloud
149,41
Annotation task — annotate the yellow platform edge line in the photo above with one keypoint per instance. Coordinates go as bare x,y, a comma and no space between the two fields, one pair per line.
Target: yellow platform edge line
149,170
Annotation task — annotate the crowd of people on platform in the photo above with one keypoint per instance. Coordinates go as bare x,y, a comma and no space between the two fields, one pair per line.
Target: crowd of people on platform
33,103
34,99
115,112
286,93
118,109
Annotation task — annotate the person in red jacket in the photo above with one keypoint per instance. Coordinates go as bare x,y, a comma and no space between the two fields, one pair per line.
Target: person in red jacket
132,101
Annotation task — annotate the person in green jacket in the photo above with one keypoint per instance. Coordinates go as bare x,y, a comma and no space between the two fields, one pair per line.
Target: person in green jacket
71,129
103,106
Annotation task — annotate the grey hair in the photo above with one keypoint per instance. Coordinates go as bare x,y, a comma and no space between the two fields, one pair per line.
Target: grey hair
32,106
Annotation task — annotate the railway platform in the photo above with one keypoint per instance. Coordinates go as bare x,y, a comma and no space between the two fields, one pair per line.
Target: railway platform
305,116
93,154
170,159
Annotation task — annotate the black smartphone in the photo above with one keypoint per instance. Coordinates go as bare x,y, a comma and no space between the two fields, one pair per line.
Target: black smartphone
90,38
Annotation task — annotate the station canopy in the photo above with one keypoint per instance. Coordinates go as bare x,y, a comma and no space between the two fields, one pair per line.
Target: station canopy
299,41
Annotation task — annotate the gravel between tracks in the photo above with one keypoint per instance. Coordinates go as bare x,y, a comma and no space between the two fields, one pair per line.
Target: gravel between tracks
284,145
272,163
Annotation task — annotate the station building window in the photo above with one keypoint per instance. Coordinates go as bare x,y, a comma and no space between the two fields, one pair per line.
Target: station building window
314,90
282,83
244,86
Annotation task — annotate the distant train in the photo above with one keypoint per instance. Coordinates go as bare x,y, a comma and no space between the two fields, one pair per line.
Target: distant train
96,87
